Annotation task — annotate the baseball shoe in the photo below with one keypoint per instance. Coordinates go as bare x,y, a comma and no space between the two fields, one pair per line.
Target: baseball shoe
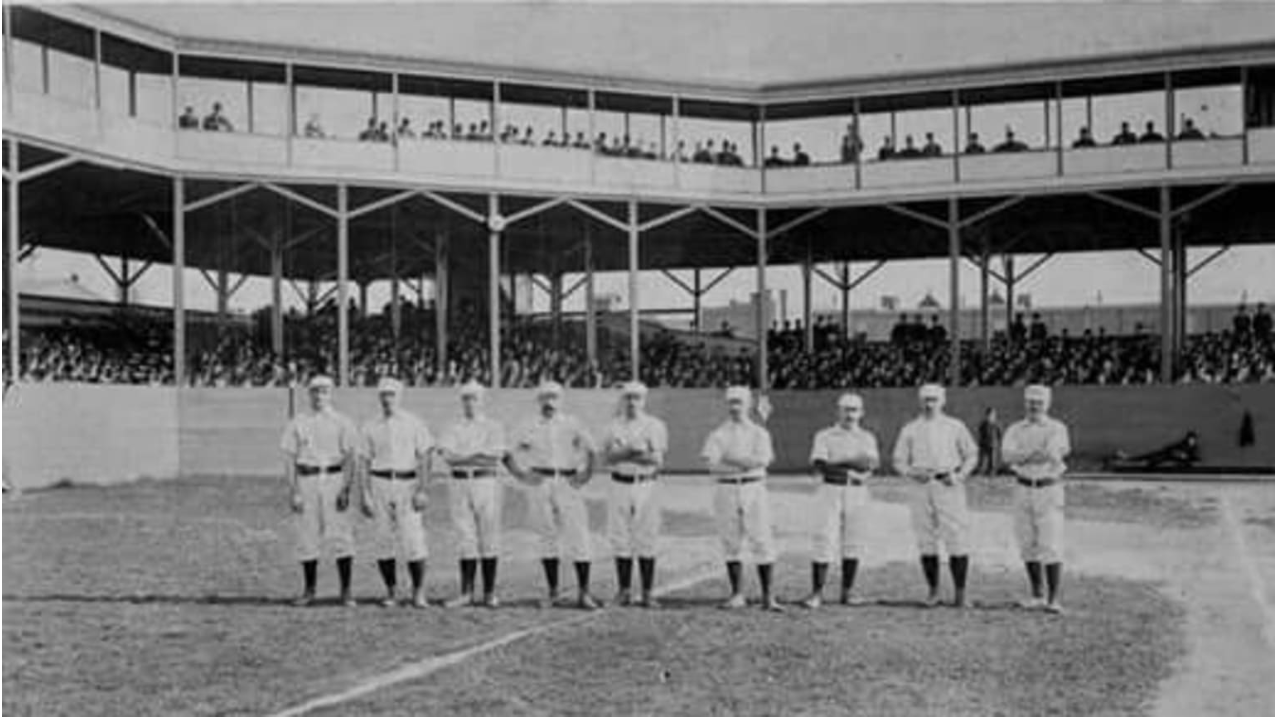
1055,607
459,601
389,602
348,601
813,601
623,598
1032,603
588,602
491,601
959,601
303,600
648,601
770,604
418,601
548,601
735,602
850,600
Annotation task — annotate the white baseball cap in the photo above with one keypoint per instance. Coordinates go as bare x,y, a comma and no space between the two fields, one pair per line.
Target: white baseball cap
633,388
389,385
739,393
549,388
320,381
850,399
472,388
931,390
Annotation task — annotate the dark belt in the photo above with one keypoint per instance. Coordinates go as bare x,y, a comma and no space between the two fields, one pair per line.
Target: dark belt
303,470
388,474
566,473
632,478
843,481
1036,483
472,473
741,480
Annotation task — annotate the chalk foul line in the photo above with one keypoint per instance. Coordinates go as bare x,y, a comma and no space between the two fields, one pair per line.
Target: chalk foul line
427,666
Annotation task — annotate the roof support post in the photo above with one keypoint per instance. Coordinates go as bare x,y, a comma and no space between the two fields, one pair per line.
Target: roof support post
1167,287
276,299
845,288
635,341
591,320
1008,271
179,284
763,325
808,332
441,300
343,280
954,292
494,223
11,255
985,337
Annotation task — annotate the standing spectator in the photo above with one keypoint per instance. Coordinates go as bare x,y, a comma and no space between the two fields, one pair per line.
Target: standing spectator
313,129
405,129
887,150
932,148
1126,136
973,146
800,158
1037,332
989,444
852,145
1150,134
1011,143
774,160
1190,131
1084,139
910,150
1262,324
369,133
188,120
937,334
1018,330
1240,325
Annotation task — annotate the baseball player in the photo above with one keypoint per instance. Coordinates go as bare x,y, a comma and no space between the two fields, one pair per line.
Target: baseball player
845,456
635,447
938,452
396,449
738,453
555,456
474,448
321,447
1034,448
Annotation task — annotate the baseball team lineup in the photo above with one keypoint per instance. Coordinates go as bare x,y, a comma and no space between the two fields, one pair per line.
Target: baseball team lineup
338,472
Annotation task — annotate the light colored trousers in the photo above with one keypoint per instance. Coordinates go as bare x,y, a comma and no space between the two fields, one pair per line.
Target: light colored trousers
743,514
560,519
633,518
840,514
1039,522
476,516
319,521
939,515
397,526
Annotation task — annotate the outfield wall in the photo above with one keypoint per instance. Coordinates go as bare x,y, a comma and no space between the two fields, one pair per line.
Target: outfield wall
108,434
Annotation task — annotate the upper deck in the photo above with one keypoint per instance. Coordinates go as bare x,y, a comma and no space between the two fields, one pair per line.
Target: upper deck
114,93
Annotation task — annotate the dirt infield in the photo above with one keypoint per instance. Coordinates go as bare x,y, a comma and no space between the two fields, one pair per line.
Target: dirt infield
163,597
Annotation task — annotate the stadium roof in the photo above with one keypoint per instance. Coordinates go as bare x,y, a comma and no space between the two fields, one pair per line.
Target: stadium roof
746,46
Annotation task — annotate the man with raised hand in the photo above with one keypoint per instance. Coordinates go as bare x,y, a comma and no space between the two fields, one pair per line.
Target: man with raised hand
1034,448
738,453
555,456
474,448
396,448
937,451
635,447
845,456
321,447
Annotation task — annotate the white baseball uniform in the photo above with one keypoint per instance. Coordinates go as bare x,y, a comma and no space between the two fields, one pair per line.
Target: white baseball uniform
840,511
1034,451
633,509
318,444
396,447
474,493
938,445
554,449
741,503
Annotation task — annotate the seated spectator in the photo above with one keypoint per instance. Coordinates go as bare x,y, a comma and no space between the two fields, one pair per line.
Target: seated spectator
484,132
1241,324
1183,453
405,129
652,152
1262,324
887,150
1018,330
701,154
724,155
458,132
527,136
188,119
473,134
1190,131
1150,134
899,332
1084,139
581,143
852,145
383,132
551,140
937,334
800,158
774,159
680,152
932,148
973,146
216,121
369,133
1037,332
1010,144
1126,136
910,150
710,154
313,129
600,143
632,149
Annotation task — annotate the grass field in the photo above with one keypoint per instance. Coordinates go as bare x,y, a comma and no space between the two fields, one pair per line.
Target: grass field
170,597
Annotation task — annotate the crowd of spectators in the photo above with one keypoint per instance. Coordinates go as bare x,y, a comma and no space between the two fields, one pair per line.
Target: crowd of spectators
138,351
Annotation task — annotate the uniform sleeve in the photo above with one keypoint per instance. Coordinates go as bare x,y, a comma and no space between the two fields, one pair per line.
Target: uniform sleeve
584,439
870,447
447,440
1011,451
289,443
1060,444
659,437
712,451
966,449
902,457
352,441
495,441
765,452
819,447
366,443
424,439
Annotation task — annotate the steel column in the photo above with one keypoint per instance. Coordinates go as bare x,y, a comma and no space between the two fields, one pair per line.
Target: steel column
846,300
276,299
985,335
954,291
494,288
808,331
11,262
763,327
179,283
634,340
441,301
1167,287
591,319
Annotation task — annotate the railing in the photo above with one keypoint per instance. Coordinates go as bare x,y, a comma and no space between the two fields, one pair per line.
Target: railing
71,124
